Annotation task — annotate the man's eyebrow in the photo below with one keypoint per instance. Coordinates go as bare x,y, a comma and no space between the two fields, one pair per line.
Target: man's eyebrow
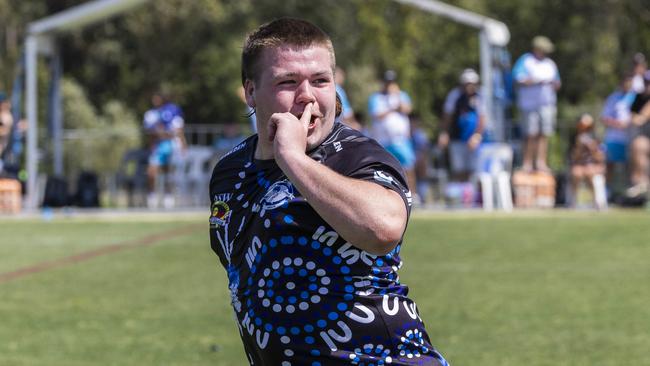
292,74
285,75
322,73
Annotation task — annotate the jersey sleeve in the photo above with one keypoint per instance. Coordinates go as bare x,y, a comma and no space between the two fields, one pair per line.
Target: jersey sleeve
372,163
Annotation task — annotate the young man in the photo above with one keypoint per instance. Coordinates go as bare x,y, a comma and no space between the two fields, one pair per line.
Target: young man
308,217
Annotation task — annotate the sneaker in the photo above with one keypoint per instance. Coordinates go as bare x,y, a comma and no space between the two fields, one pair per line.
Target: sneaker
168,201
637,190
152,200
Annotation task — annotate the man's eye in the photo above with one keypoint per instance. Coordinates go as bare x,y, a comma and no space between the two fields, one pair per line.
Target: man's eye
286,82
321,81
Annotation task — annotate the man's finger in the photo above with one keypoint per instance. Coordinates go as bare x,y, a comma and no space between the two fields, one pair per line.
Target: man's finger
306,114
272,127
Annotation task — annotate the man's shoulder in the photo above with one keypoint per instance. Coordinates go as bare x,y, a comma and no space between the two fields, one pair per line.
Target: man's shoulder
524,57
375,96
347,149
237,155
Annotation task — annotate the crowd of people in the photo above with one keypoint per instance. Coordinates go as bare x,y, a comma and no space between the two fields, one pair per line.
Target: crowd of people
622,156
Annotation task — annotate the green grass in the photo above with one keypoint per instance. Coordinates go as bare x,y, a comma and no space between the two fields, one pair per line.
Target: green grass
551,288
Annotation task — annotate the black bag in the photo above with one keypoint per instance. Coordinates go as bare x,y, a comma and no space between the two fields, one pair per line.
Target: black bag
87,194
56,192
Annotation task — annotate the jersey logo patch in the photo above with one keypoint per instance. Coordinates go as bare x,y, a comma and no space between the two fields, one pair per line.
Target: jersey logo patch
278,194
382,177
220,214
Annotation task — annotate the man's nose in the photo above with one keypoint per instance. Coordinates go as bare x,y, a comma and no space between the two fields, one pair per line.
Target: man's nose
305,93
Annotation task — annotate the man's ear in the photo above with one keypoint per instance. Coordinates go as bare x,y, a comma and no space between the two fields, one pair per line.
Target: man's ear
249,92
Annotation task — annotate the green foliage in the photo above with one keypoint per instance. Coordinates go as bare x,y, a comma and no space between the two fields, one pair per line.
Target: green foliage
193,48
99,138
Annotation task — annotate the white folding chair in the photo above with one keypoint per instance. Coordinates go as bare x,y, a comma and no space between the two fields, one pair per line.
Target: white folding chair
494,168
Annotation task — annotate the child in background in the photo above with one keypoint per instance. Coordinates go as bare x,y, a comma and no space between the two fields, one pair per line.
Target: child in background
587,158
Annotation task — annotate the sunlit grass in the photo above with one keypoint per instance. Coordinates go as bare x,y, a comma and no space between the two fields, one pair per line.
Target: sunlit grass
531,288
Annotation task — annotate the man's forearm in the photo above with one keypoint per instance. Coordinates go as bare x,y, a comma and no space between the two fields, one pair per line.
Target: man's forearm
366,214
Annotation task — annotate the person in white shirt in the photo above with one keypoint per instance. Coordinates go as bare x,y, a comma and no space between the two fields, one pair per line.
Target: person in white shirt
537,79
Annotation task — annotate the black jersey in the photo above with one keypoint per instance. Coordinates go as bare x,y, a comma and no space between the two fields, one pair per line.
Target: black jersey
302,294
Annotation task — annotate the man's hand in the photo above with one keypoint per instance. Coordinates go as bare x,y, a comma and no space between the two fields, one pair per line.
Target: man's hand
288,133
474,141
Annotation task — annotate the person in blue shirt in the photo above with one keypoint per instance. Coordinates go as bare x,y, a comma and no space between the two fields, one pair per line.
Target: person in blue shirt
462,125
389,111
347,115
617,118
163,127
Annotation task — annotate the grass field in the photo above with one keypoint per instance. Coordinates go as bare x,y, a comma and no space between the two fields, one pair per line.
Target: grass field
556,288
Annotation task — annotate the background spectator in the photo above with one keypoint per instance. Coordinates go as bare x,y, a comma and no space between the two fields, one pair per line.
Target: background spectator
640,145
639,68
389,110
163,126
347,113
586,157
6,122
462,125
616,116
537,79
422,148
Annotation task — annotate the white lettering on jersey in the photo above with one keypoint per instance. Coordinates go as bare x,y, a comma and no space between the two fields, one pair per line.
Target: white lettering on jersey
368,318
252,251
224,197
337,146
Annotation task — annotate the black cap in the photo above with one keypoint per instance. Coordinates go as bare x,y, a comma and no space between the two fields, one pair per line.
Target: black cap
390,75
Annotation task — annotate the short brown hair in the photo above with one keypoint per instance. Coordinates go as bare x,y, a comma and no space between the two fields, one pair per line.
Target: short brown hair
284,31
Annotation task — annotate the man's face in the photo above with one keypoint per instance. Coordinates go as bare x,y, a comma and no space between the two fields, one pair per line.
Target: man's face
289,79
470,88
539,53
626,85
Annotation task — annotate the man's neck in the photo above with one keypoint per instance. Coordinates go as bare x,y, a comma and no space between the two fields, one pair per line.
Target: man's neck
263,151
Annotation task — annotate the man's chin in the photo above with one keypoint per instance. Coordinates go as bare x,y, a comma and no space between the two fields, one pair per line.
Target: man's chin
318,134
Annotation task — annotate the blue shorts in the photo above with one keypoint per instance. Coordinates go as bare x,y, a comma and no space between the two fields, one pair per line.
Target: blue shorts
161,154
616,152
404,153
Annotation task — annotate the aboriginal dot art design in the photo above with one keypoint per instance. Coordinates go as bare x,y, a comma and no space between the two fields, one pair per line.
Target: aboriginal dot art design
302,294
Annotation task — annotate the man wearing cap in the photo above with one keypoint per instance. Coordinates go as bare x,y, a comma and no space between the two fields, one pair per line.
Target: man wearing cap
462,125
537,79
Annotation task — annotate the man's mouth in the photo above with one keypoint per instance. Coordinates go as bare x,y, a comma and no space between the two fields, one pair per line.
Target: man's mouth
312,121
